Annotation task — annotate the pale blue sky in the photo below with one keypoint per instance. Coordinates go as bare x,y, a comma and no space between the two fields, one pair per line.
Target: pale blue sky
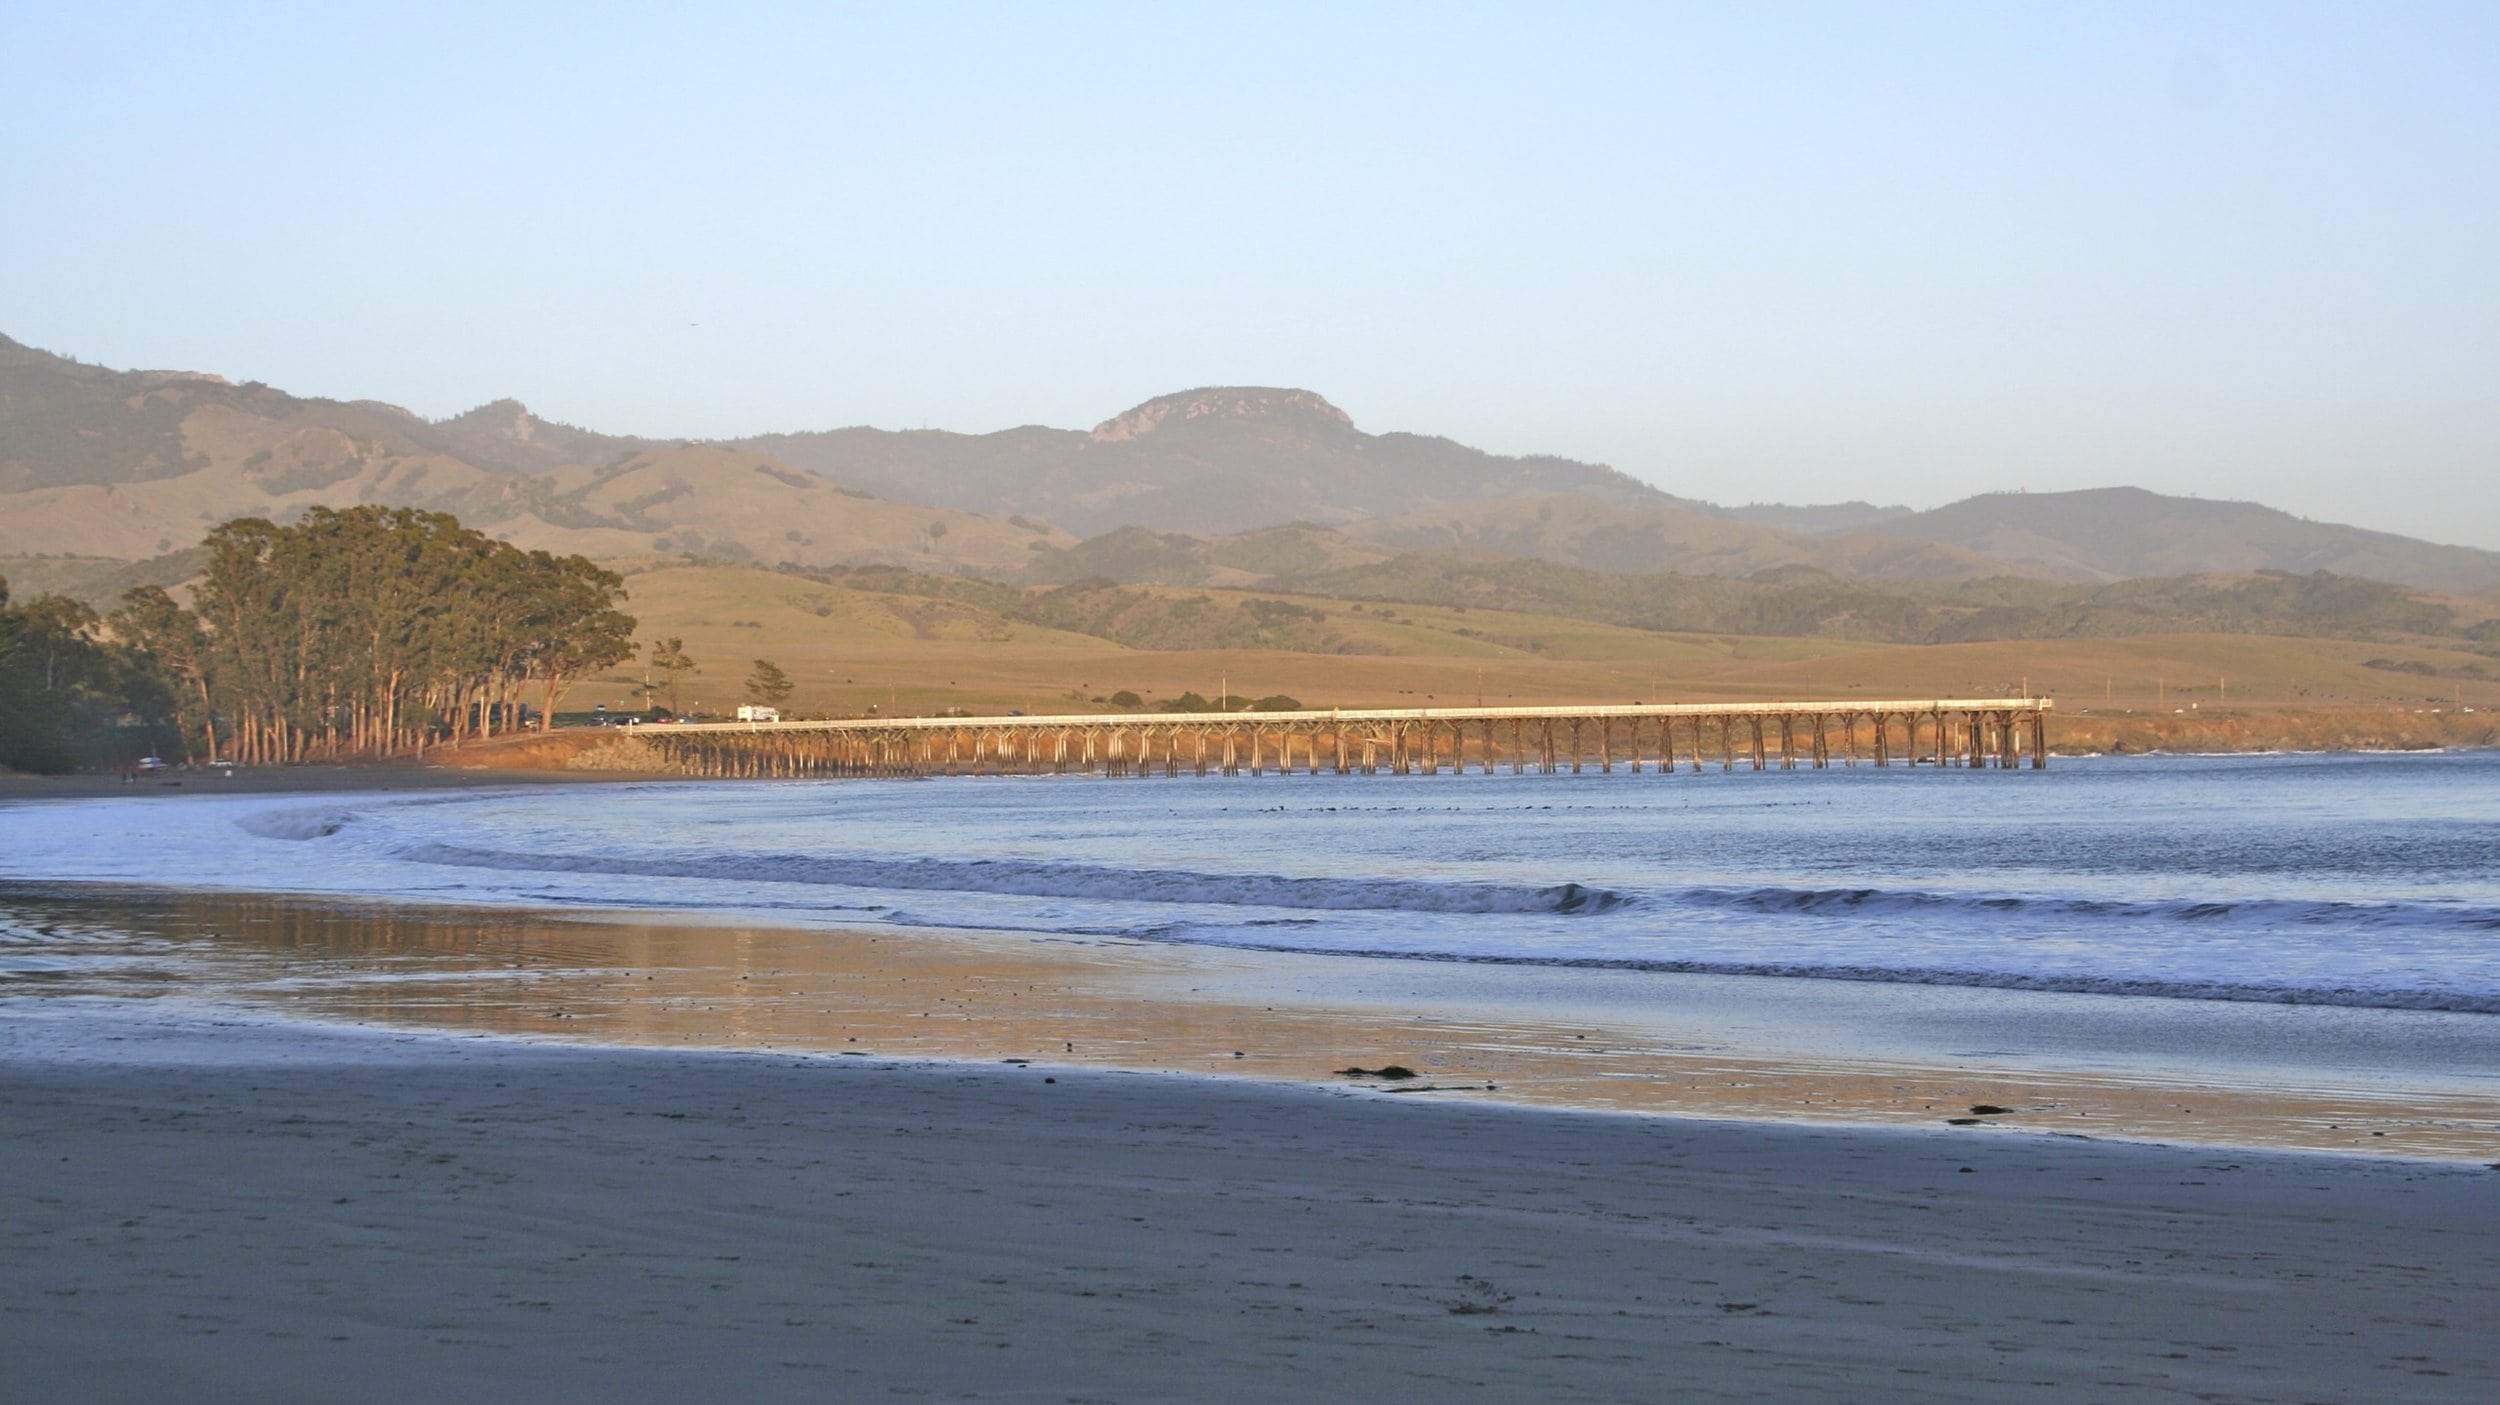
1746,252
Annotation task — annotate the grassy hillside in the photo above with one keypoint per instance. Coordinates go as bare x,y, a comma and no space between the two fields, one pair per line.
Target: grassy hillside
1786,599
95,581
703,501
707,500
896,640
1649,538
2107,534
1141,555
137,464
1800,601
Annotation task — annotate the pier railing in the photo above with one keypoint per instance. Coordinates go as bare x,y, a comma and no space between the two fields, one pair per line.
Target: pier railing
1968,732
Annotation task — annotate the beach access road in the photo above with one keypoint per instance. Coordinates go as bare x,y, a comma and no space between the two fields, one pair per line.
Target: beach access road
210,1208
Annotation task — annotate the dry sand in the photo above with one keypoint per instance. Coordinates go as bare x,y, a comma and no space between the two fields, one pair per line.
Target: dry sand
210,1209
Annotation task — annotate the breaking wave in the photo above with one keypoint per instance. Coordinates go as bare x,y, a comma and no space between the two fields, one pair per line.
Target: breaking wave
1028,878
1024,878
2270,993
2260,911
295,824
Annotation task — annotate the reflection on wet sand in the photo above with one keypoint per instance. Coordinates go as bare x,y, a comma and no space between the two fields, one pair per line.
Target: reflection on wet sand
1104,1003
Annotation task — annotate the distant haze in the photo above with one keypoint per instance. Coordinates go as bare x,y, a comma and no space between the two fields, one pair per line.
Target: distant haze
1897,255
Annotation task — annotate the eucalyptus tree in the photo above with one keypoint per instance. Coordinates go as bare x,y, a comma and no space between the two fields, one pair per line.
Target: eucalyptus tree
168,639
670,658
374,629
251,612
61,690
572,624
768,683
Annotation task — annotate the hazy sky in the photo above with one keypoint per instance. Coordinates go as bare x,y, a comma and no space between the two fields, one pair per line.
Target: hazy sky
1905,252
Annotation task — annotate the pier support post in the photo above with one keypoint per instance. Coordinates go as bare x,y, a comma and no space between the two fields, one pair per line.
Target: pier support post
1974,733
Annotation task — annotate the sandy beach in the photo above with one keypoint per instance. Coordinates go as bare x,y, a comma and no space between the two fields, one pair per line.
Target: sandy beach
281,1148
210,1208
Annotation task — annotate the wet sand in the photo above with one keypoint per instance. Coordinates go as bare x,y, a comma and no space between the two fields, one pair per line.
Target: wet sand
1692,1046
204,1207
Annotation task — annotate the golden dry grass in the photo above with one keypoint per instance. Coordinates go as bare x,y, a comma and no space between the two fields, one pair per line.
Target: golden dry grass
849,650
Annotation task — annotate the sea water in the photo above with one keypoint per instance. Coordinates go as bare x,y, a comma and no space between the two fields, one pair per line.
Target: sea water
2357,882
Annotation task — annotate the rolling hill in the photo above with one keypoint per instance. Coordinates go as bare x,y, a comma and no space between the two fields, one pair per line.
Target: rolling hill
1644,537
135,464
1210,460
889,640
2109,534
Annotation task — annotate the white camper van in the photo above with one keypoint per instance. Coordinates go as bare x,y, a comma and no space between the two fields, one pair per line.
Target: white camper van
749,712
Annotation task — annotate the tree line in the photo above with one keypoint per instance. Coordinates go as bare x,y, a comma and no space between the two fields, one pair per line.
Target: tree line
60,688
362,631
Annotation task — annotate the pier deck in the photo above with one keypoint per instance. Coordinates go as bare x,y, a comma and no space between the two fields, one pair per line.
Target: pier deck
1971,732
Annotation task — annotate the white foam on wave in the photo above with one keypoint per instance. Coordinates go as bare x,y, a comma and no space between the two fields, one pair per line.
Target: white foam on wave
1059,880
2247,992
2262,911
296,824
1102,883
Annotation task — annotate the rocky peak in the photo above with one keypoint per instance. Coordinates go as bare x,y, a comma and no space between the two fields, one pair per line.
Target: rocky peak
506,419
1222,403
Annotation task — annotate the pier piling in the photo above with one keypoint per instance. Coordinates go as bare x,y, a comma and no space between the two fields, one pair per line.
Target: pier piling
1973,733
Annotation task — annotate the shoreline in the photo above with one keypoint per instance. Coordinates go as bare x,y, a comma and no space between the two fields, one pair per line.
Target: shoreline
1734,1048
230,1209
310,778
266,1145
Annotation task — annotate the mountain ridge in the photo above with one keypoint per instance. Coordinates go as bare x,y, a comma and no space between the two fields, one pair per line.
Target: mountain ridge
137,463
2138,533
1210,459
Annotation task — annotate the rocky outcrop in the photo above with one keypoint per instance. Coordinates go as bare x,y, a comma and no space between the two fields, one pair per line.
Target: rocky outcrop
1222,403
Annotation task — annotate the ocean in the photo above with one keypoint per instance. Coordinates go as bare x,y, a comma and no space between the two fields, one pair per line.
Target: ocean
2353,881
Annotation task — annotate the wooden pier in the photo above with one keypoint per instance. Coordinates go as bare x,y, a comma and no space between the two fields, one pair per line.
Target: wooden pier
1967,732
